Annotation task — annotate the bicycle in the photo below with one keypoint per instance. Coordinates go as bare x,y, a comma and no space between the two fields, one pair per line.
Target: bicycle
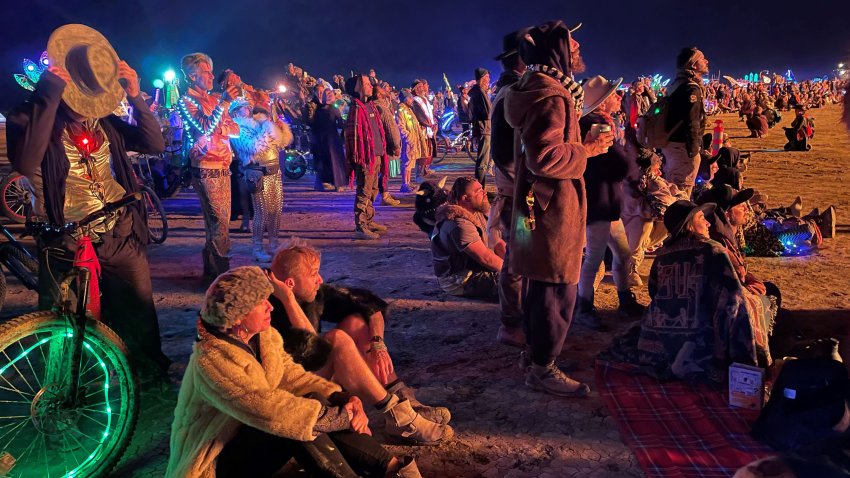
14,197
298,159
70,396
155,212
448,145
19,262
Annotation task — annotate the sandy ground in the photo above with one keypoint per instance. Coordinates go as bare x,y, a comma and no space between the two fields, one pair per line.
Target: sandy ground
445,347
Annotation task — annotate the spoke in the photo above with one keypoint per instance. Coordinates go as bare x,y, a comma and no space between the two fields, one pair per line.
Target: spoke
34,373
95,420
88,436
44,449
14,365
27,451
17,427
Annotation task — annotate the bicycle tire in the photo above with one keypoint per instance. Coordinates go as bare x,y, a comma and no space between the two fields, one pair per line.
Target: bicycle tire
24,267
2,289
155,214
295,165
41,421
441,154
14,198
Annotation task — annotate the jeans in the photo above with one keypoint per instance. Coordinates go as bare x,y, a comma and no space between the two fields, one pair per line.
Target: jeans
548,314
602,235
642,233
343,454
510,285
679,169
482,160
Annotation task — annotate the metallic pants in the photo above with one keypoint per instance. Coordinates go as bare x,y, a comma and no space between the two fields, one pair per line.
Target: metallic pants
268,205
214,194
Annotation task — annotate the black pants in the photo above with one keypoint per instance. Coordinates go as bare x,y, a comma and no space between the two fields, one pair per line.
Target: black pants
548,314
482,158
343,454
126,293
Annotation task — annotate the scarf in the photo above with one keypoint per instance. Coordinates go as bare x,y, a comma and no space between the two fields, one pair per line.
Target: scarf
573,87
364,147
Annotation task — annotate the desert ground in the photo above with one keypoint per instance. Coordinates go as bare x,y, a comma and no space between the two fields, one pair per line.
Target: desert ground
446,347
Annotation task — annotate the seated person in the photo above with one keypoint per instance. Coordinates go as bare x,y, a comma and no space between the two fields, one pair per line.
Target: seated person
354,353
463,263
687,331
785,231
801,131
245,408
757,123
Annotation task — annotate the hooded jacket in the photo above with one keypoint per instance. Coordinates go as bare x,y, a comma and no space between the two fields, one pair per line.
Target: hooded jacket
550,164
502,137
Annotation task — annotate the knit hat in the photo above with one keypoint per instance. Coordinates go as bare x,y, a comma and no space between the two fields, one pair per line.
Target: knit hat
480,72
233,294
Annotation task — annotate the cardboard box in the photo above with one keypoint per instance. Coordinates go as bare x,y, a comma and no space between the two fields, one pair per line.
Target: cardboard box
746,386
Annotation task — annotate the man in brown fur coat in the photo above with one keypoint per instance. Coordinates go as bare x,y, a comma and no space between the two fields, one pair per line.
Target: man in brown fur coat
550,207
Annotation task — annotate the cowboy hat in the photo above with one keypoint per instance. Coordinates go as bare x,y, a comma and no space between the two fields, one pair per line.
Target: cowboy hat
510,44
92,63
596,90
680,212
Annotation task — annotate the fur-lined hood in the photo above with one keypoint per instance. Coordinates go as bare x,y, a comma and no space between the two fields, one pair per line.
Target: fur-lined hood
453,212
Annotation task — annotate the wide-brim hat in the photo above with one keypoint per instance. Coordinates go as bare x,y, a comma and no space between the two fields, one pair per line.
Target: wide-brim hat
510,44
92,63
596,90
680,212
725,196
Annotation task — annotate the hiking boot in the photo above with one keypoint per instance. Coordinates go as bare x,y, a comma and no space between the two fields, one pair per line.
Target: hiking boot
408,468
363,233
550,379
566,364
375,227
826,223
404,424
513,336
388,200
440,415
585,316
629,306
260,255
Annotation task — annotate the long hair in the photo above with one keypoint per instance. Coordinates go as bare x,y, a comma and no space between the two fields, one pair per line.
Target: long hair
459,188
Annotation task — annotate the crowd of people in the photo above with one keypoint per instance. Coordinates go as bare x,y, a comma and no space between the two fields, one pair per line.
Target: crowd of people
572,179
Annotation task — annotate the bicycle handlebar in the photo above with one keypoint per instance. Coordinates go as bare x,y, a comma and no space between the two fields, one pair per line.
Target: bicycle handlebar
109,208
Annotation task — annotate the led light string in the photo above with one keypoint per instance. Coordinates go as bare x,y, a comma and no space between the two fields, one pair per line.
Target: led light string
216,118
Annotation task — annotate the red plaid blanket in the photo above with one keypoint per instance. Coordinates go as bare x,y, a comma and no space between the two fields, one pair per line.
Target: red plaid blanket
678,429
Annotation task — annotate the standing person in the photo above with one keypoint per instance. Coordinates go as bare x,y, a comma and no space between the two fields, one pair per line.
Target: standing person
328,155
603,178
240,203
499,225
365,150
73,150
258,148
206,138
479,107
414,143
547,232
425,116
381,100
685,119
464,116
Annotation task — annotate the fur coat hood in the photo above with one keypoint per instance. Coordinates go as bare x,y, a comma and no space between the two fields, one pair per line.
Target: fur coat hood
453,212
224,387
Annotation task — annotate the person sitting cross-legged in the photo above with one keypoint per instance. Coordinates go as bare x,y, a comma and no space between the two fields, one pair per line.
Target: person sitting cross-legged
354,353
464,263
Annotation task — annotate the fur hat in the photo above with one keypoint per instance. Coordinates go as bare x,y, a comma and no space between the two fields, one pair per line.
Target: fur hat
233,294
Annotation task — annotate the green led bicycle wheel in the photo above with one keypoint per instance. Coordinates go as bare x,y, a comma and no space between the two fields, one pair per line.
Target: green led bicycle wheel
47,432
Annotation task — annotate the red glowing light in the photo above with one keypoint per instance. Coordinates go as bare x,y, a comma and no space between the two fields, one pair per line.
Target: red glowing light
85,141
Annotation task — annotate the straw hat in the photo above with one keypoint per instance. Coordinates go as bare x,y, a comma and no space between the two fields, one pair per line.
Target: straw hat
92,63
597,90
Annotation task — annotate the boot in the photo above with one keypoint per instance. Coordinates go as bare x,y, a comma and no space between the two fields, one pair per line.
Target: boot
796,207
550,379
826,223
388,200
585,315
440,415
404,424
376,227
629,306
365,233
260,255
408,468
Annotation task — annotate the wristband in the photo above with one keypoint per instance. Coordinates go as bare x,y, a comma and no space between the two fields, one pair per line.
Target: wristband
378,347
376,338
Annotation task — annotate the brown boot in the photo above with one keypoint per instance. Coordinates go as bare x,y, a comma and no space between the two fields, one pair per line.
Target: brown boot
408,468
404,424
440,415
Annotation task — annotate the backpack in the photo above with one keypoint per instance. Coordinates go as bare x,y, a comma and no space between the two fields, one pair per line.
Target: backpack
651,127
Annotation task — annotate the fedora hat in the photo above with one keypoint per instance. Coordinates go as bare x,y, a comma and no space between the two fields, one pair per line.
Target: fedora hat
92,63
596,90
510,44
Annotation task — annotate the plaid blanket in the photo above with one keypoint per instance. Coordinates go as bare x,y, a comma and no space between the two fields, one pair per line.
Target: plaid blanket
678,429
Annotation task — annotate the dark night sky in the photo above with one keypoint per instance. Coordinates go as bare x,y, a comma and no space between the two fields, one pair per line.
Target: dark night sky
403,40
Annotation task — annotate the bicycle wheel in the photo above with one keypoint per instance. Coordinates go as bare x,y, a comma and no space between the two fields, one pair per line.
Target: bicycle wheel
45,434
14,197
467,146
295,165
443,149
157,220
24,267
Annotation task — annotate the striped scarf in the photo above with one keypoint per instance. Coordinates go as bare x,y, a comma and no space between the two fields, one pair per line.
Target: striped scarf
572,86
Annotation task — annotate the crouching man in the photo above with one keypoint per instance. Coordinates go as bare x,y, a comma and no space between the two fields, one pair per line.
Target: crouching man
463,263
354,353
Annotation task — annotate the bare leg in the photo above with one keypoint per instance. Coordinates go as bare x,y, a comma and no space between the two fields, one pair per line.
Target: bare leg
358,329
347,367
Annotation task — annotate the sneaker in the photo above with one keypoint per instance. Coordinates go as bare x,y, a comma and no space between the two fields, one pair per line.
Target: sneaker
262,256
585,316
553,381
566,364
629,306
375,227
366,234
634,280
388,200
827,223
513,336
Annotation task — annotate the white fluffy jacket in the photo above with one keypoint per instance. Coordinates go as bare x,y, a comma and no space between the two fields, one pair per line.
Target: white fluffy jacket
224,386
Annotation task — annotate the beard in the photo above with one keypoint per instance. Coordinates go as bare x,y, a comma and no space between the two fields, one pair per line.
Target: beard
577,61
484,206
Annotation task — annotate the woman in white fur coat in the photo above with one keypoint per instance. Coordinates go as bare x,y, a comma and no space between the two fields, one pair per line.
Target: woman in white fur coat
245,407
